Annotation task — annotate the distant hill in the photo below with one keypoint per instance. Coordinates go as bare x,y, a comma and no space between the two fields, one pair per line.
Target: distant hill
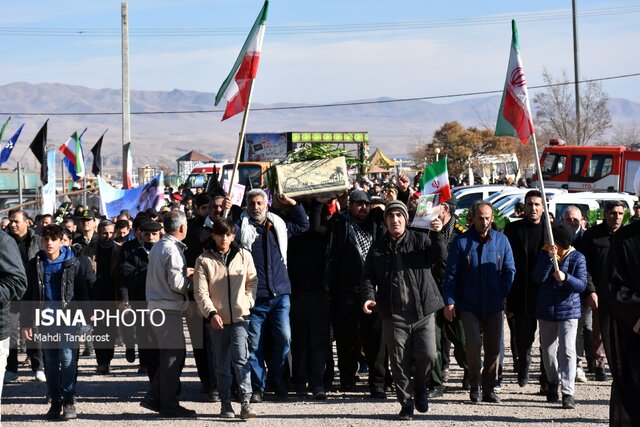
160,138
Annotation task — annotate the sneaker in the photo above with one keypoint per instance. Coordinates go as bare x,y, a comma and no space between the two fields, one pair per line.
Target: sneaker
580,376
40,377
69,411
474,396
150,404
406,413
10,376
246,412
178,412
102,369
600,373
433,393
552,393
226,410
568,402
54,411
490,397
257,397
130,354
422,402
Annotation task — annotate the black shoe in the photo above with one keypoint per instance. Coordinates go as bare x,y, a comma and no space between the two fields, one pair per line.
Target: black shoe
86,352
257,397
474,396
226,410
422,402
600,373
213,395
178,412
466,385
150,404
69,411
552,393
319,395
434,393
102,369
523,377
378,393
130,355
406,413
490,397
568,402
282,394
346,388
54,411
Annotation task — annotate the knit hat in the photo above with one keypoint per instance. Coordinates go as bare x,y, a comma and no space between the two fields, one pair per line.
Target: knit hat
396,205
562,235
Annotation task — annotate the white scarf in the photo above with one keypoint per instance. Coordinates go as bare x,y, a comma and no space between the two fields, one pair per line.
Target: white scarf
248,233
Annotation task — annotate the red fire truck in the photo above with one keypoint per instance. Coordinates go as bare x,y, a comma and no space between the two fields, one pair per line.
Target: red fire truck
589,168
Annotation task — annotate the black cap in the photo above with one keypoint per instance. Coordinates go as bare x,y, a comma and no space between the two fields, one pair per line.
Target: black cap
88,214
150,226
359,196
151,212
140,219
562,235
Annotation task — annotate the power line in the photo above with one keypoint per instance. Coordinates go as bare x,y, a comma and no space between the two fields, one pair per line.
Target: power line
317,29
329,105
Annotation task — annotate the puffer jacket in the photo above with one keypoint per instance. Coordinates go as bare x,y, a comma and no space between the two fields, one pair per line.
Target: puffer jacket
410,260
560,300
479,274
229,290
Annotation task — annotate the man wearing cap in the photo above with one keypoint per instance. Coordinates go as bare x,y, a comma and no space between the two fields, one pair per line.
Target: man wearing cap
104,254
87,230
176,201
351,234
398,284
477,279
447,332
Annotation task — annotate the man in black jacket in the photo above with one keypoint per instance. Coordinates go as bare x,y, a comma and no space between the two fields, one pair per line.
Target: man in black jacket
351,234
398,282
13,283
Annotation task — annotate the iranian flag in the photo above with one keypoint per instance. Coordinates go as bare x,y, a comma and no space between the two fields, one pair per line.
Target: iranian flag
514,118
235,88
435,180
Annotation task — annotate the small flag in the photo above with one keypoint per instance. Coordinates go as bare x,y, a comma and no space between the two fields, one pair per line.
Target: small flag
514,117
73,156
127,179
97,156
235,88
6,151
38,149
435,180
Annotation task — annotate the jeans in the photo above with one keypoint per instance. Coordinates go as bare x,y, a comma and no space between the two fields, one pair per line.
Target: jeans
558,340
275,312
4,352
483,333
61,368
231,348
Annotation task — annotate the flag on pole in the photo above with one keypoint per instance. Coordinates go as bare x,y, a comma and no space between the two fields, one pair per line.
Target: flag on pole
73,156
435,180
127,180
235,88
514,118
7,149
97,156
37,147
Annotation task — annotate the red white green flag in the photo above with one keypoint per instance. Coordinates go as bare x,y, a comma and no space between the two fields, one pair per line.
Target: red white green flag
235,88
514,118
435,180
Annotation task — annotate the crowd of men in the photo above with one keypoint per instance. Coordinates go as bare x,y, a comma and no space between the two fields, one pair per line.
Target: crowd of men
265,291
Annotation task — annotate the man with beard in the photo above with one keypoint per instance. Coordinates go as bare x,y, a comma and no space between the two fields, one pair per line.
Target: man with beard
104,254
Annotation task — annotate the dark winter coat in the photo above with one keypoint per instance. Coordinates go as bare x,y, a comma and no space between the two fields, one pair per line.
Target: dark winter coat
13,280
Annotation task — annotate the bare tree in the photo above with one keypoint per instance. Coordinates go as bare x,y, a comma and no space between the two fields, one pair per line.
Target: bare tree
628,136
555,116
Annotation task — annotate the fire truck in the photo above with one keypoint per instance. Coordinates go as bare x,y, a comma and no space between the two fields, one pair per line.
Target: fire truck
589,168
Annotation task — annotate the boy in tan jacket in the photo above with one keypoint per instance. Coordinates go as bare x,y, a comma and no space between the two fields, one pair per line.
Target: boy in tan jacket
224,284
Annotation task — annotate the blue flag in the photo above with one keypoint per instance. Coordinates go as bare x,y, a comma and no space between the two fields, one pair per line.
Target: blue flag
6,151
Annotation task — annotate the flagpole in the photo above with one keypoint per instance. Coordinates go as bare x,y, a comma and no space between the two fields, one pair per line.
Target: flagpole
547,221
245,116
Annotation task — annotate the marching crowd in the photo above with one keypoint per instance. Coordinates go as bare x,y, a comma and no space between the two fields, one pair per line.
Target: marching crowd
266,290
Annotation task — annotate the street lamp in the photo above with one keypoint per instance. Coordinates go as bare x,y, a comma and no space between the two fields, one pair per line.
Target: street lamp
437,151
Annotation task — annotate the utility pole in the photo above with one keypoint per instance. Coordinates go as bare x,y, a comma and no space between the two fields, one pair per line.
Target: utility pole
576,70
126,105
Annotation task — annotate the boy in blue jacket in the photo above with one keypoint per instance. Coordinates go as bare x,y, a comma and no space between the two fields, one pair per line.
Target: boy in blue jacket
558,311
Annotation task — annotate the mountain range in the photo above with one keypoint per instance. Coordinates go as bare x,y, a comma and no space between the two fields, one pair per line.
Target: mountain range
158,139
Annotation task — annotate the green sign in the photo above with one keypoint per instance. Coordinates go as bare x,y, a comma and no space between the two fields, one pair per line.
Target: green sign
328,137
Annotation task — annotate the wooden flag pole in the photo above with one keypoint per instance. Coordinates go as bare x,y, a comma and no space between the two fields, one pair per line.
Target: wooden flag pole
544,199
243,128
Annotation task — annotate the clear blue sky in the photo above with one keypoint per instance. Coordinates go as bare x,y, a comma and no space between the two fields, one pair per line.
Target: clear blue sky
319,51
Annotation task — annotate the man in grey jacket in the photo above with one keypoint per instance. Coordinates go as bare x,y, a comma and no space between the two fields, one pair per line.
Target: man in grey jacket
168,281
